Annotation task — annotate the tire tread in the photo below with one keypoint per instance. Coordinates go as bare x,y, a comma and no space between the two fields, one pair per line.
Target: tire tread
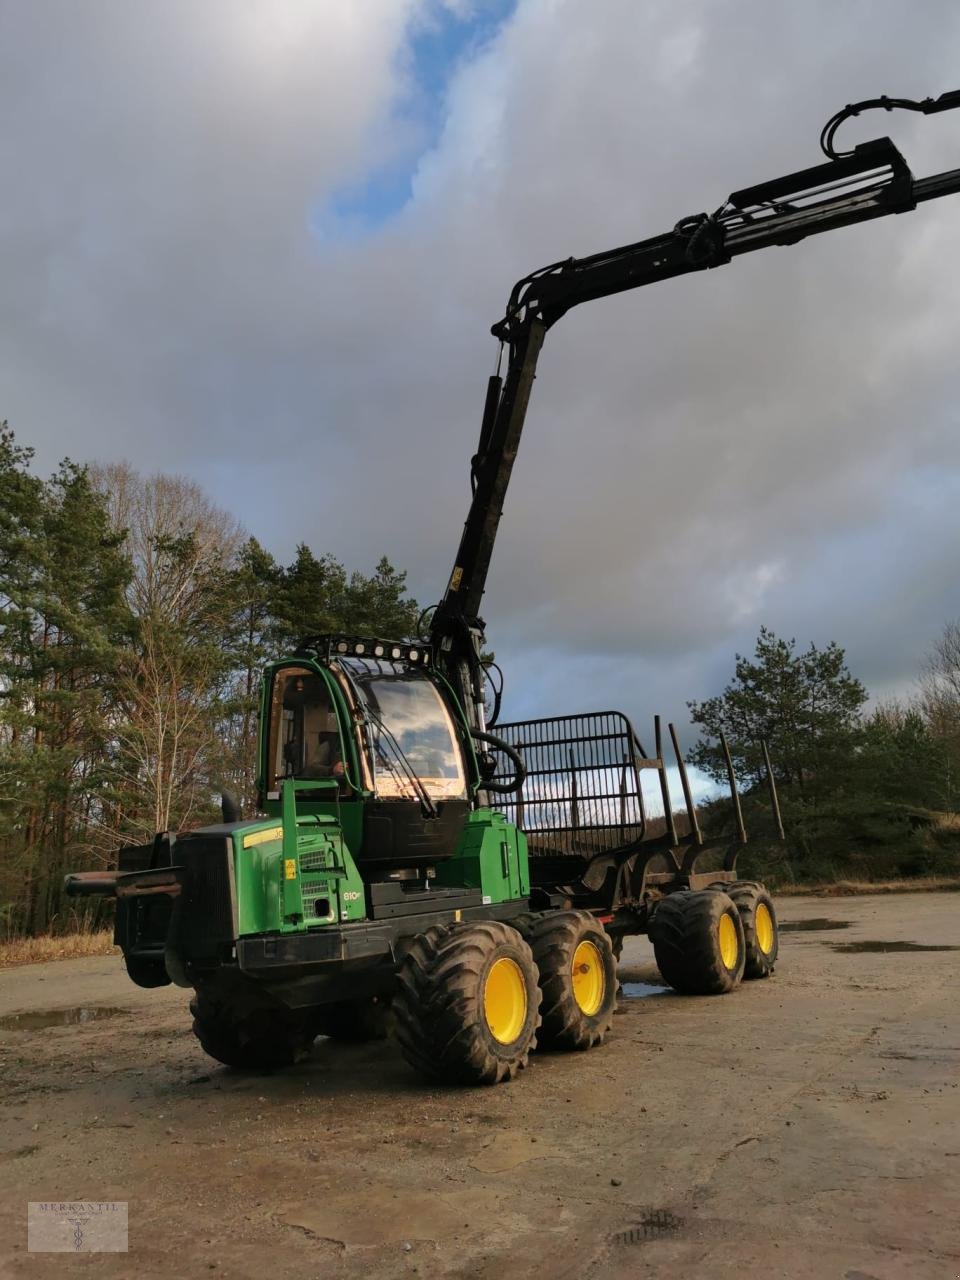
554,937
435,1006
683,935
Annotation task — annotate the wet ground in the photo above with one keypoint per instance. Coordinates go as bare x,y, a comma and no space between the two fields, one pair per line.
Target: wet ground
806,1126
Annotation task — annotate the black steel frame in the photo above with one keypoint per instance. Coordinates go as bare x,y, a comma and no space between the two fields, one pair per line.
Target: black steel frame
581,808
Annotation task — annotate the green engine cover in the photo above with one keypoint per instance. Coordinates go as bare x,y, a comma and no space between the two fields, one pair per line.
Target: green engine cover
298,873
295,875
492,858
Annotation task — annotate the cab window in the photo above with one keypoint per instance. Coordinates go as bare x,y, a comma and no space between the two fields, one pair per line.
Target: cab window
304,733
409,731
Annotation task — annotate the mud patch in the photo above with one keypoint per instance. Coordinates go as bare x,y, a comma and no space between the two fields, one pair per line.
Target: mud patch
508,1150
816,924
20,1152
882,948
368,1218
656,1224
41,1019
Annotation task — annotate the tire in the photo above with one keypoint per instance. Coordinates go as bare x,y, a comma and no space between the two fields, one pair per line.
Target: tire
761,934
578,978
257,1040
353,1021
697,953
466,1010
146,972
527,922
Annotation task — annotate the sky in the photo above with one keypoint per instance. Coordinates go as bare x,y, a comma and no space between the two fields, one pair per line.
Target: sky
260,243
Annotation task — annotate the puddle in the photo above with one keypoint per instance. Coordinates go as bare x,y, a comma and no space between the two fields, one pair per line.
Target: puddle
40,1019
873,947
813,925
636,990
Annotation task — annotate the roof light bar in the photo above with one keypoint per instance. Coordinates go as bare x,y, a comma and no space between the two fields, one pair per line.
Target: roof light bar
340,646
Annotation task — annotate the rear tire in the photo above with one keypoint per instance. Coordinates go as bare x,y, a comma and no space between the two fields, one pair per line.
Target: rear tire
147,972
353,1021
578,978
698,942
760,931
258,1040
466,1008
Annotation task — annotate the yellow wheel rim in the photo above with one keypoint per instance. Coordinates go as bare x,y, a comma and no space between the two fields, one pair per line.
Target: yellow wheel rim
729,942
505,1000
764,928
589,979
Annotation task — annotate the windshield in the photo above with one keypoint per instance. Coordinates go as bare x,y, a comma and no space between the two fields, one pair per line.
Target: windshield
410,731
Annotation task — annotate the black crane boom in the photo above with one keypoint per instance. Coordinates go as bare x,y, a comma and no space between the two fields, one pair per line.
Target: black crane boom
871,181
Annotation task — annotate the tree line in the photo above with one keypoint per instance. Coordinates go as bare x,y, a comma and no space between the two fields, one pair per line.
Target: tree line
864,794
134,619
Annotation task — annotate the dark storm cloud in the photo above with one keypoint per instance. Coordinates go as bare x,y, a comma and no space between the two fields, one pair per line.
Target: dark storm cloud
772,442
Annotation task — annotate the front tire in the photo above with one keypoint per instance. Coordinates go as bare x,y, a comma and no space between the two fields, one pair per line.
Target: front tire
467,1002
259,1039
698,942
578,978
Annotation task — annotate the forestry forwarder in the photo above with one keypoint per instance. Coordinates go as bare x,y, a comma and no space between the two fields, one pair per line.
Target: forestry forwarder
382,874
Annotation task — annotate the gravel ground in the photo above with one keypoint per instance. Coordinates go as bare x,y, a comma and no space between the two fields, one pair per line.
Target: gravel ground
805,1126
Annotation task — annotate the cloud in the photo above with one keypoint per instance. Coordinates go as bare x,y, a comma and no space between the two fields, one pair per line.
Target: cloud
770,442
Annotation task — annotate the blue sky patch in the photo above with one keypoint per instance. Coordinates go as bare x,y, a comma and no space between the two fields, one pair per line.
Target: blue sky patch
436,46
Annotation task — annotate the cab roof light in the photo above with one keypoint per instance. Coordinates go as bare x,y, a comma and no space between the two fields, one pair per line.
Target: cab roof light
365,646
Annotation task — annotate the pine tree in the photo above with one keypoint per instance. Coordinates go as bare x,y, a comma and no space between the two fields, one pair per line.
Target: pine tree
252,588
307,599
65,621
806,705
377,605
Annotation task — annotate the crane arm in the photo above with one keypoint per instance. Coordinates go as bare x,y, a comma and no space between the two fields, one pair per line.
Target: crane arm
870,181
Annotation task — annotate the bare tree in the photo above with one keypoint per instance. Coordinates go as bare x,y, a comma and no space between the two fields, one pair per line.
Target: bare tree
169,747
940,699
158,513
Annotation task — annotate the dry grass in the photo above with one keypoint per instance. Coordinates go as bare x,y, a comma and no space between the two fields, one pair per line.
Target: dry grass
70,946
851,888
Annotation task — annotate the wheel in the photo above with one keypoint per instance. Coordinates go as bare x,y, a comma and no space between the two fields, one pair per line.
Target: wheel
467,1001
760,932
526,922
353,1021
256,1040
147,972
698,942
578,978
